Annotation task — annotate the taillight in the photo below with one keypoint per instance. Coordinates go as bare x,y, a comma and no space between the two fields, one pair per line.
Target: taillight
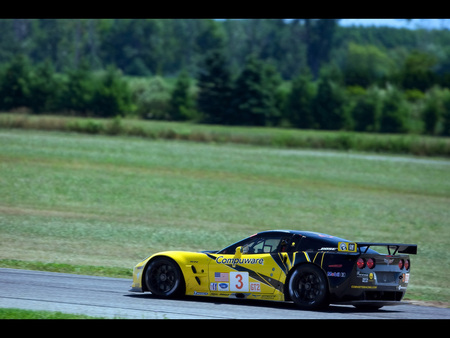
407,264
361,263
370,263
400,264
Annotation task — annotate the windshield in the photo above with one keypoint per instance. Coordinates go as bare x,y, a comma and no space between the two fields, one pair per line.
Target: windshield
261,243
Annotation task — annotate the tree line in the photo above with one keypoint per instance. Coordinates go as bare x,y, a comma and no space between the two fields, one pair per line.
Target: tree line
309,74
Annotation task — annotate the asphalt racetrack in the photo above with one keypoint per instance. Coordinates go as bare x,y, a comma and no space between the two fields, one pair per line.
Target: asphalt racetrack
110,298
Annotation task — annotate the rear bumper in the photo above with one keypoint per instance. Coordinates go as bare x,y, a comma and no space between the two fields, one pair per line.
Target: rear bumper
372,288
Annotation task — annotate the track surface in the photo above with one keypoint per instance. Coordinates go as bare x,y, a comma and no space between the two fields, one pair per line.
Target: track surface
109,297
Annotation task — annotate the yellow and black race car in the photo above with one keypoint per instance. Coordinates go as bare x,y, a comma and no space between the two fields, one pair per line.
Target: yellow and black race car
311,269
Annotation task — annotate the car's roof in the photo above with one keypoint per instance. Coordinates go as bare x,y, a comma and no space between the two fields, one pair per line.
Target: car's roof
311,234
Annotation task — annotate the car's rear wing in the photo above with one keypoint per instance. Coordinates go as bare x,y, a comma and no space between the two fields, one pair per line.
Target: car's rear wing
397,247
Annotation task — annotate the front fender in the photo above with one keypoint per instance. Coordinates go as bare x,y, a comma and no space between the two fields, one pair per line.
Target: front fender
193,265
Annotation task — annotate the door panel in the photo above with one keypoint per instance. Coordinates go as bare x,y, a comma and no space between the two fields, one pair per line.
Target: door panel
254,273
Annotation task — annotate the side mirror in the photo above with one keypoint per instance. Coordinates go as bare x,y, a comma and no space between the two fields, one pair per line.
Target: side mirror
238,252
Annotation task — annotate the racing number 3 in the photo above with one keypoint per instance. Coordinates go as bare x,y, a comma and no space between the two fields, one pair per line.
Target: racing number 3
239,281
240,284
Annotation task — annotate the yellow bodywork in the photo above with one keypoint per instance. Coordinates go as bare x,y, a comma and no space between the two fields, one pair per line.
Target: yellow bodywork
258,276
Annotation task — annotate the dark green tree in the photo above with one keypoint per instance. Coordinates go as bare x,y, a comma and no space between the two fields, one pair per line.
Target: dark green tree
320,35
417,71
367,110
299,106
140,50
215,89
365,65
254,94
111,95
181,101
77,91
432,110
210,38
446,115
394,112
45,89
329,103
15,84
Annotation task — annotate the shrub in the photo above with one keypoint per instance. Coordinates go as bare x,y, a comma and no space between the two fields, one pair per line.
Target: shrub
151,98
367,110
86,126
44,89
329,105
394,111
446,115
111,95
431,110
299,103
15,84
77,92
181,102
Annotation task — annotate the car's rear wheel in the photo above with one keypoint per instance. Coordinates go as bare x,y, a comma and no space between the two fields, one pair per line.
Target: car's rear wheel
308,287
164,278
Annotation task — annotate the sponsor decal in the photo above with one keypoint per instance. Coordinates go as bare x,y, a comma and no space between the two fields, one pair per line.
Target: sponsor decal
336,274
234,261
196,293
219,287
363,287
346,247
365,277
224,287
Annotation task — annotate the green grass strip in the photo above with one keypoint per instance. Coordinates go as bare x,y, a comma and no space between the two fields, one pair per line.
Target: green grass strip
9,313
103,271
419,145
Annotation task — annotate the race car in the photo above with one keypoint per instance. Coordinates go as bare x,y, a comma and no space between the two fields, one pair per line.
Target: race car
308,268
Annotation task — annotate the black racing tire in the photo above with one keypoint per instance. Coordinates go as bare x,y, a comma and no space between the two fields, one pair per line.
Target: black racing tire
163,277
308,287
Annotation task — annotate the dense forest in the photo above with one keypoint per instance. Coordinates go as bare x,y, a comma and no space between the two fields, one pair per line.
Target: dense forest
300,73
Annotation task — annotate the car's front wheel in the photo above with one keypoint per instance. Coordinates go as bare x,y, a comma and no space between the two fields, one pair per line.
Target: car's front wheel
164,278
308,287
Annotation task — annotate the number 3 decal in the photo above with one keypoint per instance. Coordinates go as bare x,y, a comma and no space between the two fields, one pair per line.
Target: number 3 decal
239,281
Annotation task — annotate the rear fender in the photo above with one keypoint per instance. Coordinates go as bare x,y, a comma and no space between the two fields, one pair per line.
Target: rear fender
302,258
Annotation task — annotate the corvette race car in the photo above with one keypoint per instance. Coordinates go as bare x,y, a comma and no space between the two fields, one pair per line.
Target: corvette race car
311,269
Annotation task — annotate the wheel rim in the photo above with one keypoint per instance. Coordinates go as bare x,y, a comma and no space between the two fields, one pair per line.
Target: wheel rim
163,278
308,288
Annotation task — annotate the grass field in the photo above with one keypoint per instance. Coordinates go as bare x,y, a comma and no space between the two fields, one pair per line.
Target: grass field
96,200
